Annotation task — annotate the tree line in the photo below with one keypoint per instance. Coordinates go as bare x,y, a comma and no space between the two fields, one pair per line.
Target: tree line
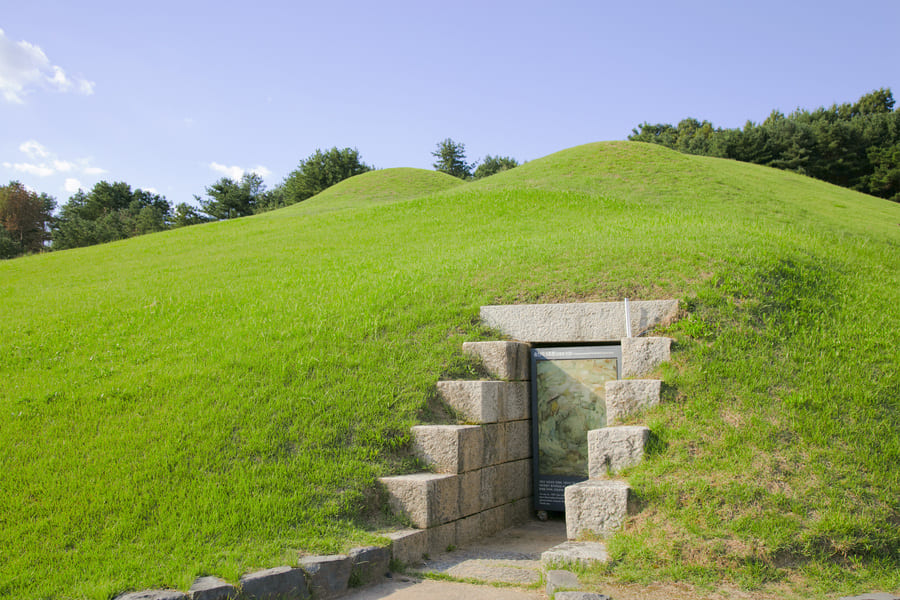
115,211
854,145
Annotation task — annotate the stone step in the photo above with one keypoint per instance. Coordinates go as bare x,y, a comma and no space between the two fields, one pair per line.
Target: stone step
577,554
641,356
506,442
432,499
449,448
487,401
410,546
509,361
462,448
624,397
612,449
426,499
596,507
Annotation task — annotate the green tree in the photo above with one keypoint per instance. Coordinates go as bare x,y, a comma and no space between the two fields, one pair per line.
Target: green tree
451,159
851,145
495,164
229,199
271,200
25,219
319,171
186,215
110,211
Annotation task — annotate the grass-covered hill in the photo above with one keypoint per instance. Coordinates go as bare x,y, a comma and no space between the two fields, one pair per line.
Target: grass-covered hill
380,187
216,399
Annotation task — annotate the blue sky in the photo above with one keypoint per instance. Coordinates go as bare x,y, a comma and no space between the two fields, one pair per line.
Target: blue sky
171,96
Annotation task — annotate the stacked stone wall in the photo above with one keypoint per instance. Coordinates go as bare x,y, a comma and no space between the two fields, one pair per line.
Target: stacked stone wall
481,479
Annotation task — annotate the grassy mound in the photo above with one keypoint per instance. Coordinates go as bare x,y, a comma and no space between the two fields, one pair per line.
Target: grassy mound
379,187
215,399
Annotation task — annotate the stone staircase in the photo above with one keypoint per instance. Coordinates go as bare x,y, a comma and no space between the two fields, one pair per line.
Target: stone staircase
481,478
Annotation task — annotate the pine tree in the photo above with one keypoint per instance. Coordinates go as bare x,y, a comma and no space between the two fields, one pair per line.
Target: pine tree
451,159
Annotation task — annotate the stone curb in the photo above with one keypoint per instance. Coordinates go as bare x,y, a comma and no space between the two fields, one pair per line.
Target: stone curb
153,595
278,583
212,588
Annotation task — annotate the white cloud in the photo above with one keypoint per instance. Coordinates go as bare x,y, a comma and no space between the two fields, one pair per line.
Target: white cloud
41,170
230,172
33,149
24,66
44,163
236,172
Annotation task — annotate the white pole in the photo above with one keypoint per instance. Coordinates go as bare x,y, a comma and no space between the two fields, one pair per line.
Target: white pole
627,319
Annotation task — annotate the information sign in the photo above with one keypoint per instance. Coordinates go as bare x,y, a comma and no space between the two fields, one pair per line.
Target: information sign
568,399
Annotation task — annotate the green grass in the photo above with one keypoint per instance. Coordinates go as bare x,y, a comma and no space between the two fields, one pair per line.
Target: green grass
379,187
216,399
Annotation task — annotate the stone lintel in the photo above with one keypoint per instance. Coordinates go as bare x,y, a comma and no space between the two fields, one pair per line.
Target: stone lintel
580,322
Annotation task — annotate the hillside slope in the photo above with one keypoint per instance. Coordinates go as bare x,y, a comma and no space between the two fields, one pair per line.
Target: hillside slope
379,187
217,398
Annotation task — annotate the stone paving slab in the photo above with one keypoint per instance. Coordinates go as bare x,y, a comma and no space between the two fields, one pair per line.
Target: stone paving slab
582,554
512,556
560,579
413,589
